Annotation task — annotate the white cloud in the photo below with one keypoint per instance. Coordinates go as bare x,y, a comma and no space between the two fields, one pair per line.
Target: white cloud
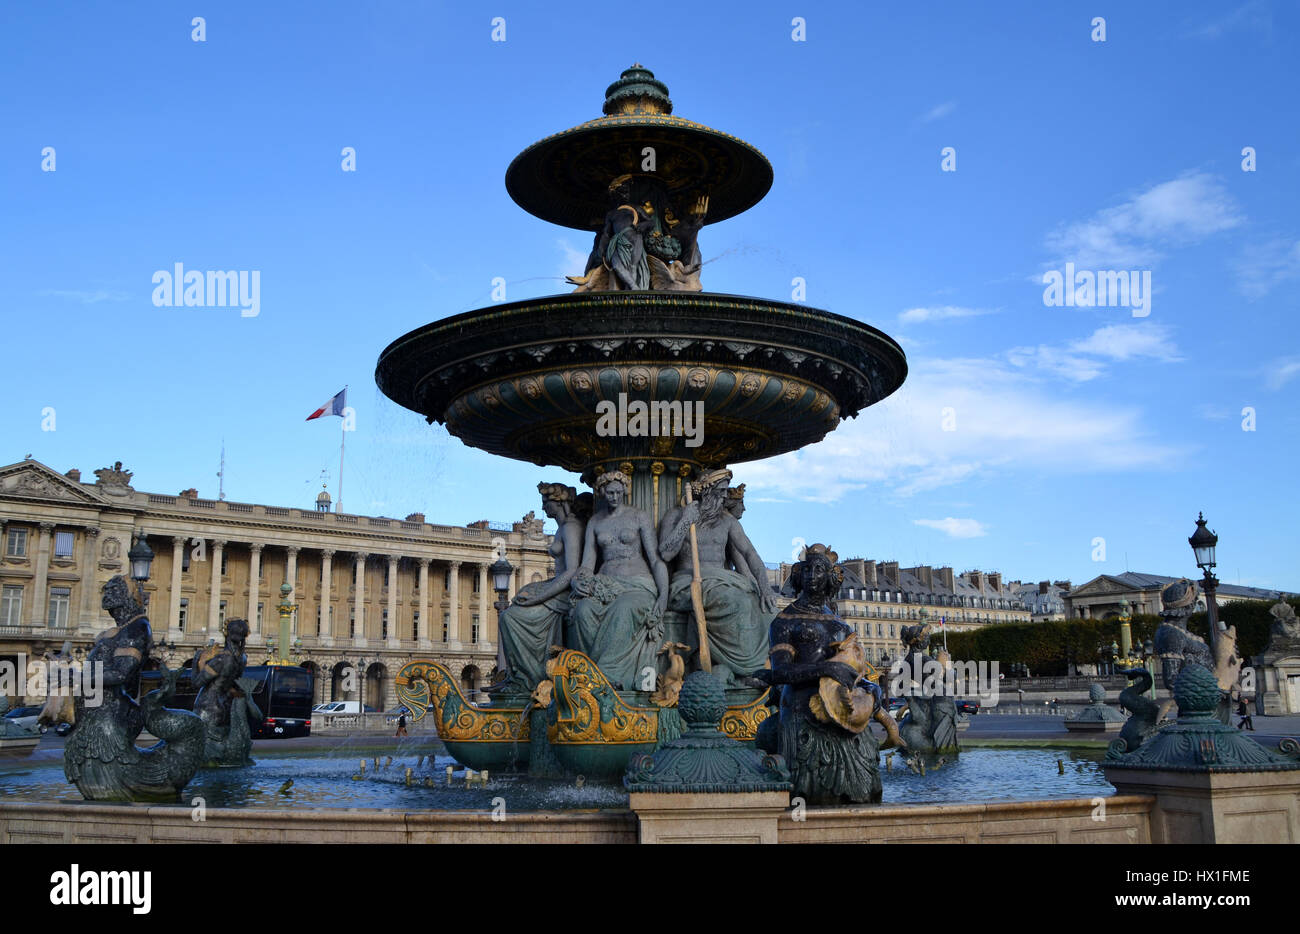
1007,421
1126,341
88,298
937,112
1281,371
955,528
1264,266
1085,359
1253,16
1134,234
939,313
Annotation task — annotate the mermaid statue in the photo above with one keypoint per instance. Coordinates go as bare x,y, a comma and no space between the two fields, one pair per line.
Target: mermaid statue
224,702
620,590
534,621
101,757
930,725
822,729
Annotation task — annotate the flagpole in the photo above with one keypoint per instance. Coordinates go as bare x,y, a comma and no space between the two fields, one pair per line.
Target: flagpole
343,439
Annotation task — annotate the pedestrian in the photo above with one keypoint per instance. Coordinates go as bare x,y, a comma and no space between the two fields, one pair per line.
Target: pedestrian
401,724
1243,711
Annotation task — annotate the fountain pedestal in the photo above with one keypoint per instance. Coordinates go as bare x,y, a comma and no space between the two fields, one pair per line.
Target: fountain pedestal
722,817
1211,783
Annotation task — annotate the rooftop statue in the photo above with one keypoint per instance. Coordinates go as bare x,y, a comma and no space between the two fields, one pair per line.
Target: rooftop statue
101,757
737,608
825,740
534,621
1285,628
224,701
620,591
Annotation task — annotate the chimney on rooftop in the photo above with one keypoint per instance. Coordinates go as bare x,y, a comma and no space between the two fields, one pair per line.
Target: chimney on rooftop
946,578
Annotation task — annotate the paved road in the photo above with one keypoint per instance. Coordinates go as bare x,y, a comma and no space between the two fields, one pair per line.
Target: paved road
986,725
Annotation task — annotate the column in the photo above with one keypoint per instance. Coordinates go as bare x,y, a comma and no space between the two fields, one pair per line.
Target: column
453,607
89,592
326,589
422,626
291,575
174,597
214,589
484,582
254,587
359,601
41,583
392,602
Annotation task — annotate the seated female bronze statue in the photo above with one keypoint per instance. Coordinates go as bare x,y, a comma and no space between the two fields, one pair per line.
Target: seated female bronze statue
535,620
620,591
822,729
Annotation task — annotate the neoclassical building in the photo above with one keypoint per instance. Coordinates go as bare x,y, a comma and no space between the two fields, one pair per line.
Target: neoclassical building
370,591
1101,597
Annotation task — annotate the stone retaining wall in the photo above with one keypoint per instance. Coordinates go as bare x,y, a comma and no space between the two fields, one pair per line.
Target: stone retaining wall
1126,820
24,822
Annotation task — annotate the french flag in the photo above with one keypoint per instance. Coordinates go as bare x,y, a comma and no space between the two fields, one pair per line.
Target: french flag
334,407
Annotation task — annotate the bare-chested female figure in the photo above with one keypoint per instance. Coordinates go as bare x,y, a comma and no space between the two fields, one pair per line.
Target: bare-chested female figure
620,591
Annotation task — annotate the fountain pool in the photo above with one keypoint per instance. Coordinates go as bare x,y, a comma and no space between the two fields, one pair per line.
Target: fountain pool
325,780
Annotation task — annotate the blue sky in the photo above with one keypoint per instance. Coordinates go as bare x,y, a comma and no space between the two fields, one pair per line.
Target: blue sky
1067,423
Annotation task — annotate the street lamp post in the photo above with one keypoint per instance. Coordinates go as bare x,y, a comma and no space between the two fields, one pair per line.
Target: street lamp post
361,688
141,558
501,570
1203,542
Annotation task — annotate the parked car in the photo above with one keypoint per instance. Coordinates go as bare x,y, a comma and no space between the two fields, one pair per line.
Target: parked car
340,708
971,707
26,717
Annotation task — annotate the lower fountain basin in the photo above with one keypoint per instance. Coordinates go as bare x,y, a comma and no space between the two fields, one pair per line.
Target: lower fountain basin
325,781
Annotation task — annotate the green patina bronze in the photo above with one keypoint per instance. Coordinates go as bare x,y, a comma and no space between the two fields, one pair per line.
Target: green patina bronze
1199,742
539,380
703,759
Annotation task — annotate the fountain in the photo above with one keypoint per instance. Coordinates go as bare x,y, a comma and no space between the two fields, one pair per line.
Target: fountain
649,388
